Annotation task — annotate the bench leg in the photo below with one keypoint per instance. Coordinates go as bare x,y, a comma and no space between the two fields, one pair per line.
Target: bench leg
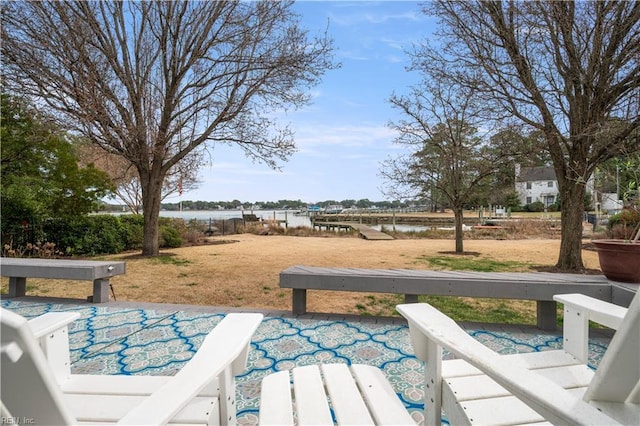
100,290
410,298
17,286
299,301
546,311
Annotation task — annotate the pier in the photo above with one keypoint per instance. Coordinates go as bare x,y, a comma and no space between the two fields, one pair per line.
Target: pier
365,231
392,219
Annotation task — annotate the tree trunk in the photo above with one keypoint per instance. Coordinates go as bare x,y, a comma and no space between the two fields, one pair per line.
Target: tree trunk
151,197
458,214
572,198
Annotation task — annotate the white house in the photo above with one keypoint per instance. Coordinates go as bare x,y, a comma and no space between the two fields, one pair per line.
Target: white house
609,202
536,184
540,184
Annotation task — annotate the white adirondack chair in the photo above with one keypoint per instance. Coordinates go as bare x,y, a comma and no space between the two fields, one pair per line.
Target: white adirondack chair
359,395
38,387
483,387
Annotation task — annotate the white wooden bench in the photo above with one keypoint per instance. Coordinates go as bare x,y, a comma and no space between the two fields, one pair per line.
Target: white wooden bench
19,269
540,287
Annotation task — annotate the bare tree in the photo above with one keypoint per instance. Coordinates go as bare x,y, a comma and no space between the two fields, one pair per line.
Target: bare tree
152,82
448,155
568,69
182,178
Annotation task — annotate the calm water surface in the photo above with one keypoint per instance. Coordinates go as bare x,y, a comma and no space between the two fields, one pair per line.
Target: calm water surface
288,215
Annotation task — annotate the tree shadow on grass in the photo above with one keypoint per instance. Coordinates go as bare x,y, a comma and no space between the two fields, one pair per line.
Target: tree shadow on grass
464,253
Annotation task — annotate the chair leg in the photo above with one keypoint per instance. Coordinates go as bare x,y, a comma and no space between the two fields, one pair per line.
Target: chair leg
227,398
433,385
55,346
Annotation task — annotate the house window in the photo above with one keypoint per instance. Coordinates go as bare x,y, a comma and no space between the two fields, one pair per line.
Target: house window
528,200
550,184
528,185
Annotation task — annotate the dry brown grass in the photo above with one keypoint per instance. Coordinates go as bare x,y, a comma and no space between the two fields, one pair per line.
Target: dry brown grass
242,270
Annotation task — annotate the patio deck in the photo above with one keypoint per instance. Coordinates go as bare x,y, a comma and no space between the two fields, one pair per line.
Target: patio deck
146,338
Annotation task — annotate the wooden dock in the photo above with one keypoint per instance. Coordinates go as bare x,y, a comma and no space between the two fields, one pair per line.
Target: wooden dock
365,231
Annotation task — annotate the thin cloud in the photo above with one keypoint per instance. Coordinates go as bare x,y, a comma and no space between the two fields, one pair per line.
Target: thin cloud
372,17
351,55
313,136
246,168
395,59
397,44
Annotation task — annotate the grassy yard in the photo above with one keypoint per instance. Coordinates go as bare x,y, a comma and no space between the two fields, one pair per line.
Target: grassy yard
243,271
464,308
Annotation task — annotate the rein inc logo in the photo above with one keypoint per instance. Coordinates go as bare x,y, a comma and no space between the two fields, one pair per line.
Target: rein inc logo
17,421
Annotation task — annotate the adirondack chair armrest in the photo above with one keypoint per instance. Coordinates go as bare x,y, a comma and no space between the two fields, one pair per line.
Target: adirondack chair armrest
596,310
51,332
578,311
428,326
221,352
51,322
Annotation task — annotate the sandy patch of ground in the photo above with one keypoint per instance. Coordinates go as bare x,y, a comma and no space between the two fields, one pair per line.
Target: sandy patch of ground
245,272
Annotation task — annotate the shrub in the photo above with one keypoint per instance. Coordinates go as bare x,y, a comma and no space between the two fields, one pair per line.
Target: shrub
41,250
67,233
133,231
195,230
621,225
555,207
512,200
108,234
536,206
86,235
169,237
173,231
99,234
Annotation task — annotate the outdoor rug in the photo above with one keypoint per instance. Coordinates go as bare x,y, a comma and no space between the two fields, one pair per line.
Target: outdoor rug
145,341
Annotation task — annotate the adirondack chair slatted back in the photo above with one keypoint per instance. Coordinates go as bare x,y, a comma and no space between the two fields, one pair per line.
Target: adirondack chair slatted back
25,371
617,379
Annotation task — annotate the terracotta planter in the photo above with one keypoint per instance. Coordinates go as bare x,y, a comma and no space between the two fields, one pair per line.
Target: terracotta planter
619,260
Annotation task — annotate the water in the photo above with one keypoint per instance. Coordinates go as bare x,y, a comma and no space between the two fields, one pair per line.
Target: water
204,215
292,219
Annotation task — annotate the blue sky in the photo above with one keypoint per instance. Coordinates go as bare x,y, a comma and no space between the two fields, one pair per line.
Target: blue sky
342,136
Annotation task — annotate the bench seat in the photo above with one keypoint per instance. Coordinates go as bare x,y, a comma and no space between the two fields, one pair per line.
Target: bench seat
100,272
538,286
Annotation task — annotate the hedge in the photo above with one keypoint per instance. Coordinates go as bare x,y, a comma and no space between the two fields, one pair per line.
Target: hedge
97,234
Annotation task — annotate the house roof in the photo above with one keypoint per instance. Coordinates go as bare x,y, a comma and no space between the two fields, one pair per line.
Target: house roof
528,174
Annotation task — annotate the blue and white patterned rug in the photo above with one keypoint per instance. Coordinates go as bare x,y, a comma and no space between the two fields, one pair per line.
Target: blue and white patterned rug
109,340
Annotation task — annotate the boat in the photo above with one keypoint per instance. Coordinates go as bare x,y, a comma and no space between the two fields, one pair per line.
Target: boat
333,209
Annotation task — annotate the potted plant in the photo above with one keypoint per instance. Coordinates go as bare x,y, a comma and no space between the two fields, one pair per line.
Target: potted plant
620,257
